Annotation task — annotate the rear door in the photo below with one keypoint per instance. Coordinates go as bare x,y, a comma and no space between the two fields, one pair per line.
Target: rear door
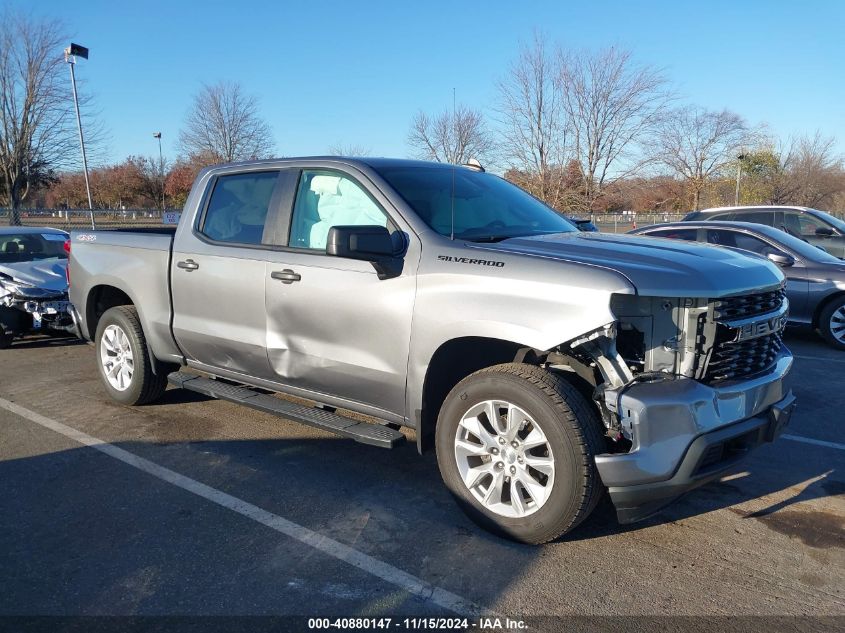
217,272
334,327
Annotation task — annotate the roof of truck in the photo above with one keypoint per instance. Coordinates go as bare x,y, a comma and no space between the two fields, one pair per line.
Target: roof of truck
370,161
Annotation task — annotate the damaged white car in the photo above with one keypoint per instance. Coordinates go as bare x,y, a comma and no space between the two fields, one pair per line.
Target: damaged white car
33,282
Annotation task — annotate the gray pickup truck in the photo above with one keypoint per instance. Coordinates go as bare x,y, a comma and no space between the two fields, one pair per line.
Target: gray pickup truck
544,365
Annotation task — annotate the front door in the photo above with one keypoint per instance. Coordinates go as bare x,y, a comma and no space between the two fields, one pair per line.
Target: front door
334,327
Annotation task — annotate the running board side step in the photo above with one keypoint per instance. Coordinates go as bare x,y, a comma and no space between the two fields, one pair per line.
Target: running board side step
372,434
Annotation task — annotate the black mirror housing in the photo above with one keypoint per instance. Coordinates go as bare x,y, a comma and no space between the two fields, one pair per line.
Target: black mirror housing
824,231
368,243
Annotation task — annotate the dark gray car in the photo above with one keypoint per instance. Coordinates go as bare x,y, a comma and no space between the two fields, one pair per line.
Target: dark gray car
815,279
811,225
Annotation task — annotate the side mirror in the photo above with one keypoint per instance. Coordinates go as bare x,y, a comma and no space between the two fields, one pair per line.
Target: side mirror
781,259
366,243
824,231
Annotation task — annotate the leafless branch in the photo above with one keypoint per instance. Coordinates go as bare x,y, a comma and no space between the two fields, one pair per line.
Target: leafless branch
451,137
224,124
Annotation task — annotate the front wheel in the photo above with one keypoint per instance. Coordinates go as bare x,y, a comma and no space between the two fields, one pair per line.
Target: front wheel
832,323
125,367
516,446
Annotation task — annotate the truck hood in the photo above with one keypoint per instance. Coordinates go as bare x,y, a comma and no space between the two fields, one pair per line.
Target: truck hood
655,266
48,274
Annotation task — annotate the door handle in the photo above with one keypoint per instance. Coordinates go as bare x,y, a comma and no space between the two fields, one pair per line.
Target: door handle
286,276
188,264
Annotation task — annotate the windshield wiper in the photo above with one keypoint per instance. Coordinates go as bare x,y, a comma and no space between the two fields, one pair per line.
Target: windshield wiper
490,238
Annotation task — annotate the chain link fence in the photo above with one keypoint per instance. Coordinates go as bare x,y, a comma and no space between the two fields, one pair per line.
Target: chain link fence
75,219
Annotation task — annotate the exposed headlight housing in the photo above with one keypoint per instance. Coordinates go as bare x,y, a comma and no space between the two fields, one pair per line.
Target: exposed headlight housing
659,334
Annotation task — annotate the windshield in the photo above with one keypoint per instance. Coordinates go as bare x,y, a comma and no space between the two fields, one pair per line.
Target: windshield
27,247
805,249
839,224
486,207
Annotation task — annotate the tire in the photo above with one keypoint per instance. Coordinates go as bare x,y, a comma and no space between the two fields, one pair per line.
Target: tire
832,323
572,437
119,330
5,339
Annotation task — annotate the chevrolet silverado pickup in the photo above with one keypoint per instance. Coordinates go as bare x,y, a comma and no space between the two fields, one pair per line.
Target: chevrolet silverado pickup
544,365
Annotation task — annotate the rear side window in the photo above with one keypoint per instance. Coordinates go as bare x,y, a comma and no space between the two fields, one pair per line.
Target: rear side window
237,209
756,217
743,241
726,217
690,235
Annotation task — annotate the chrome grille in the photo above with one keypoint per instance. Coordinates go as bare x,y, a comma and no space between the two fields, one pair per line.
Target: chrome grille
732,358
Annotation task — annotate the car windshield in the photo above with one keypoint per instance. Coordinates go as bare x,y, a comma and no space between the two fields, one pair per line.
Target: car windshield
839,224
27,247
805,249
486,208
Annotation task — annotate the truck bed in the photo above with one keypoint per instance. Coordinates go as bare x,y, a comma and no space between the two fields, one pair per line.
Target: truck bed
133,261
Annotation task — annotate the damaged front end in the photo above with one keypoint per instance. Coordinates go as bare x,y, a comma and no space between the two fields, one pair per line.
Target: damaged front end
25,307
676,382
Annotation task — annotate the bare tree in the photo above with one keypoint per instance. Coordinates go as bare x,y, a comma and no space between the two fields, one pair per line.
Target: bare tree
224,123
37,131
353,149
451,137
533,123
697,144
816,171
611,105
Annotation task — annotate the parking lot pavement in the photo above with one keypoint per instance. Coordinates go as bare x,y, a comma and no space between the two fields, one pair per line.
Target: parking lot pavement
195,506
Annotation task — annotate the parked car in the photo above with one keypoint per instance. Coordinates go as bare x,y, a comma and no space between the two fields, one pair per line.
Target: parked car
815,280
811,225
583,224
544,364
33,282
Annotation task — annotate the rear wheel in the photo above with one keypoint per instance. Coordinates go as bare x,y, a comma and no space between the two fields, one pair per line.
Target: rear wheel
832,323
516,447
123,361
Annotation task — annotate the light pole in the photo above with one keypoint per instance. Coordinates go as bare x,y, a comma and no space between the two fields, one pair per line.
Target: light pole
71,53
739,160
160,169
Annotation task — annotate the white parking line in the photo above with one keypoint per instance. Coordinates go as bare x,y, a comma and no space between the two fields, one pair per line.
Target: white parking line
324,544
810,440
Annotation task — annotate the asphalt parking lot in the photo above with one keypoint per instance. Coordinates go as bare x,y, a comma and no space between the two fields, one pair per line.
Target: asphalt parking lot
232,512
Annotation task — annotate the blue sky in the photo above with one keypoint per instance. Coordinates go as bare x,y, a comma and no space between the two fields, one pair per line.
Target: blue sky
330,72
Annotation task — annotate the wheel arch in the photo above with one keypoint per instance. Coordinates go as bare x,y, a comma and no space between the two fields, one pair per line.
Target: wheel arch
451,362
824,303
102,298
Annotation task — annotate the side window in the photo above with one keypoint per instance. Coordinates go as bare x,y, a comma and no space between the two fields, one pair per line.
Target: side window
808,225
723,216
757,217
739,240
238,207
690,235
325,199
